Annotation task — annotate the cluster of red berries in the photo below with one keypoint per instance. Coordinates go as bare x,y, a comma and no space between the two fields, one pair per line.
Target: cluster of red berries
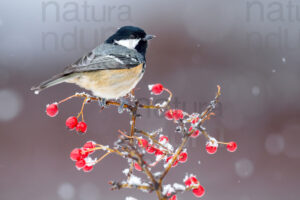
156,89
81,156
192,182
195,120
212,147
71,122
174,114
150,148
194,132
182,158
82,159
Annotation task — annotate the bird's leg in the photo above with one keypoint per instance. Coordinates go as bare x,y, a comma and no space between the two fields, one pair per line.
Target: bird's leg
123,101
102,102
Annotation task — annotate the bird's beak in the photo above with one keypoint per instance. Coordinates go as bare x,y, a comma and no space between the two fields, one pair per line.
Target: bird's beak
149,37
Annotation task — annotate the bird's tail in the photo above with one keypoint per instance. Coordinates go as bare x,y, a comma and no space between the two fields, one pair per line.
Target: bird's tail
57,79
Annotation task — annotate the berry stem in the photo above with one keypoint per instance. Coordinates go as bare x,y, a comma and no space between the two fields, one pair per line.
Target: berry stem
170,95
68,98
102,157
81,111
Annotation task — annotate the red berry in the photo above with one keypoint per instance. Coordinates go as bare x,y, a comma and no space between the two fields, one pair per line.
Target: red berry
169,158
88,168
150,149
162,138
143,143
76,154
195,132
52,110
175,163
137,167
231,146
183,157
195,120
80,163
169,115
84,153
178,114
174,197
191,181
199,192
71,122
88,146
81,127
156,89
158,152
188,182
211,149
194,180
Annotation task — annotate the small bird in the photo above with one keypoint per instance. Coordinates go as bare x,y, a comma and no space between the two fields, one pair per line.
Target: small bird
112,69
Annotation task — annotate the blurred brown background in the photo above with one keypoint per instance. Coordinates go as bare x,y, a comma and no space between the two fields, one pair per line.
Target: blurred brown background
250,48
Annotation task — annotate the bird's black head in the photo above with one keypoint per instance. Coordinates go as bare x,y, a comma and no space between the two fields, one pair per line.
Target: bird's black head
131,37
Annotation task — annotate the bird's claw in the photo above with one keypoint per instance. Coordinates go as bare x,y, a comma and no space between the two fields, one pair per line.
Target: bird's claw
102,102
122,103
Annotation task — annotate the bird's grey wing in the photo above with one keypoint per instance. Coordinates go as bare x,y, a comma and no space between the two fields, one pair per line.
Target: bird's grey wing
105,60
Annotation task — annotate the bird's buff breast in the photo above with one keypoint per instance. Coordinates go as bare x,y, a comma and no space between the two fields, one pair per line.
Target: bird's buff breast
109,84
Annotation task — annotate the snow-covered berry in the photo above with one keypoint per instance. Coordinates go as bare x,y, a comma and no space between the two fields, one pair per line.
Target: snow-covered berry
71,122
156,89
150,149
183,157
81,127
211,149
195,132
163,139
191,181
199,192
52,110
158,152
211,145
88,146
195,120
178,114
231,147
169,114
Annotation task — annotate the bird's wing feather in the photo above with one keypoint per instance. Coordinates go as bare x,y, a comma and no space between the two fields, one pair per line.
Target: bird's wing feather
104,61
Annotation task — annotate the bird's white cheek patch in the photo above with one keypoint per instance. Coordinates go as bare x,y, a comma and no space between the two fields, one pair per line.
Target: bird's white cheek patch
129,43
